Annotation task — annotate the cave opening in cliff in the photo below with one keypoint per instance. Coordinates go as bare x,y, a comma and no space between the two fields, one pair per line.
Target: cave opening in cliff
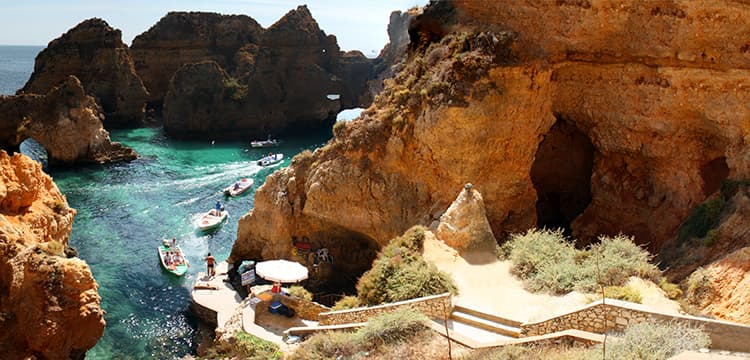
351,255
713,174
561,175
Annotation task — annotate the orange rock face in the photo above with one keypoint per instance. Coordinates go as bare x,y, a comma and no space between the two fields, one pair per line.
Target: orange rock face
598,116
49,305
66,121
728,286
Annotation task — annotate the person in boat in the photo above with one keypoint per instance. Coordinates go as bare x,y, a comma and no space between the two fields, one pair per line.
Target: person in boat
174,242
168,258
236,185
218,207
210,263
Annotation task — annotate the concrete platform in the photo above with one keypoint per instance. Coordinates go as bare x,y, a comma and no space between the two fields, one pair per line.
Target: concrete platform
214,299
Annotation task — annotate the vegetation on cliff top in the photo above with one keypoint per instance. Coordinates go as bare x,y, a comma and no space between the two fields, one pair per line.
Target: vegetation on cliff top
550,262
400,273
245,346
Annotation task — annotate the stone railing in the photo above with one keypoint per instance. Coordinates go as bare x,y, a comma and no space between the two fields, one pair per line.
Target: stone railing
602,316
435,307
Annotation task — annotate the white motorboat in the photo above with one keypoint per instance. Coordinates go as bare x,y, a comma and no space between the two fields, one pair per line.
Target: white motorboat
271,159
239,187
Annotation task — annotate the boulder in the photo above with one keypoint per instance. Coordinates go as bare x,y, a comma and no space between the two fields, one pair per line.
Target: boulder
464,225
93,52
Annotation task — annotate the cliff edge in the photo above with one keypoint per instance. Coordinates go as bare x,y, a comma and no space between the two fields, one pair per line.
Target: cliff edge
49,305
601,118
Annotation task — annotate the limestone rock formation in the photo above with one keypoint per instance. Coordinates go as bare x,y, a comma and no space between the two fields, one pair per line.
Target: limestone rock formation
395,50
181,38
94,53
464,225
66,121
604,117
49,305
289,77
727,285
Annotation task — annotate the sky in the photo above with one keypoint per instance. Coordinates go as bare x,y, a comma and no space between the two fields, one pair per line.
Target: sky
357,24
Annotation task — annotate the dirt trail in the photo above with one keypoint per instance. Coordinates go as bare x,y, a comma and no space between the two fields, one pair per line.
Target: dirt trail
486,283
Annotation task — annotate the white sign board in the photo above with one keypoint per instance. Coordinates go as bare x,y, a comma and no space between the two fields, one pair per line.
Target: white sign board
248,277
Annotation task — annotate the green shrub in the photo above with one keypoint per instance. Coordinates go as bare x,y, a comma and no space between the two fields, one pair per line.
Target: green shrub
235,90
60,207
300,292
245,346
400,273
392,328
626,293
327,345
672,291
547,261
54,247
711,237
615,260
730,187
656,340
703,218
347,302
536,249
382,331
698,286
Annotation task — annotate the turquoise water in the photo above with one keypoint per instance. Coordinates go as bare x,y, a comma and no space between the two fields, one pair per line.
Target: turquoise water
124,210
16,64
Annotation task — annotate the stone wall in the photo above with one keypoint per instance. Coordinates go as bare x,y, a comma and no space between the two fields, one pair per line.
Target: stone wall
306,309
434,307
600,317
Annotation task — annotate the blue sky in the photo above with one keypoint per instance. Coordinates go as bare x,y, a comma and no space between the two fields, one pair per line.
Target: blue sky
357,24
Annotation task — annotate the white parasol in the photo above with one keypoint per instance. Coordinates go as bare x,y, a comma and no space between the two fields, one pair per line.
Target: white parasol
281,270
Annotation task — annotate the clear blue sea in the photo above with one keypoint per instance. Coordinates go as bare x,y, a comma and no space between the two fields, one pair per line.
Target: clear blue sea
16,65
124,210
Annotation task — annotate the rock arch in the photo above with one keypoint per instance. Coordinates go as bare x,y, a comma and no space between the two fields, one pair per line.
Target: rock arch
65,121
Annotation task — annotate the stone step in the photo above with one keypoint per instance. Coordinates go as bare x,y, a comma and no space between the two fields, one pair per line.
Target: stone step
486,324
484,315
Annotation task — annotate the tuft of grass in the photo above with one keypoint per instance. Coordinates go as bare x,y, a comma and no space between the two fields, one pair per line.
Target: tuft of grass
698,287
60,207
54,247
382,332
654,340
347,302
672,291
549,262
245,346
400,273
626,293
235,90
300,292
392,328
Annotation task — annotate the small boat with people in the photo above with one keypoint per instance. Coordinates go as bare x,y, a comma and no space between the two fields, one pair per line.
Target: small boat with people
212,219
264,143
238,187
271,159
172,258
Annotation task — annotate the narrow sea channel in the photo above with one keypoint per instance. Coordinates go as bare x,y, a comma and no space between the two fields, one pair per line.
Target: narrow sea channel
125,210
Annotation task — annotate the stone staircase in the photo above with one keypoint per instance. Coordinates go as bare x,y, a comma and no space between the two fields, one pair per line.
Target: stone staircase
487,322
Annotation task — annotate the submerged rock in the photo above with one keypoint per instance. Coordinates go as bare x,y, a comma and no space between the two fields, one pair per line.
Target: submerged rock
93,52
49,305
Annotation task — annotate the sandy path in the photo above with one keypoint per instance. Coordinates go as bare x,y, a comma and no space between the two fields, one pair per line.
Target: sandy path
486,283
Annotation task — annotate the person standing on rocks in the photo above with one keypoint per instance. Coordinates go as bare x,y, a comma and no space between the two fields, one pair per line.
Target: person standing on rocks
210,263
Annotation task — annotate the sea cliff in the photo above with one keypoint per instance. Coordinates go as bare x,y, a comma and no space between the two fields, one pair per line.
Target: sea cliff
599,117
49,305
